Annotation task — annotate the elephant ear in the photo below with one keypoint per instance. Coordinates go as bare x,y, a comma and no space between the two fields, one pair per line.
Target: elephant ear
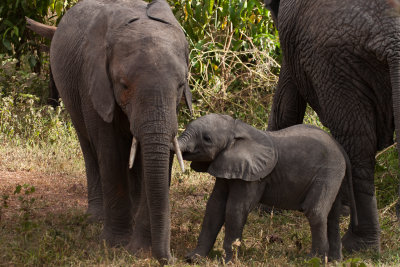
251,156
161,11
100,87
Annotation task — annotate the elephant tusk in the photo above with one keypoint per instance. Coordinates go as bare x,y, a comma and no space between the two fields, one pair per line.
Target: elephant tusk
133,152
178,154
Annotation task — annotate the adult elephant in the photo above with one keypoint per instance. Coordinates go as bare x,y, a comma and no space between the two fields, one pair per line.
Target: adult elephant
121,68
343,59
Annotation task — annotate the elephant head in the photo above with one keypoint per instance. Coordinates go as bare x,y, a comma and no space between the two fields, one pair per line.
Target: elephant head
141,63
228,148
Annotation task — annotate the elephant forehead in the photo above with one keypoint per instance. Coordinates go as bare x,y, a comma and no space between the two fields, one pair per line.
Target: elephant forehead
213,122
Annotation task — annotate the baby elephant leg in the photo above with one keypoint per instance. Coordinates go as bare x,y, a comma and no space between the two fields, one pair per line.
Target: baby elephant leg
317,206
213,220
243,196
335,243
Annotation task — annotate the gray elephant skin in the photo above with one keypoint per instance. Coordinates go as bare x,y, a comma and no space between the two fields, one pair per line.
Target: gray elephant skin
343,59
298,168
121,68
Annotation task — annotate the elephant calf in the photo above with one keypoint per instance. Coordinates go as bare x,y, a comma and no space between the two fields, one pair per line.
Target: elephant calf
298,168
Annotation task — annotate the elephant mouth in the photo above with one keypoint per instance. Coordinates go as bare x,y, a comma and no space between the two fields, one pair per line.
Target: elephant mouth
195,156
175,144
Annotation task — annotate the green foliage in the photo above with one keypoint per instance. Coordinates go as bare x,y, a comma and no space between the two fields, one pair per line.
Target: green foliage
16,40
201,19
23,118
234,57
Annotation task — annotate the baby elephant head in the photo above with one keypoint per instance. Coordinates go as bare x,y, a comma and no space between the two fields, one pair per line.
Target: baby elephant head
228,148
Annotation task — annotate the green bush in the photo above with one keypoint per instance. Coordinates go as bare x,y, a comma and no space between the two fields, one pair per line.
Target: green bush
234,57
23,117
16,40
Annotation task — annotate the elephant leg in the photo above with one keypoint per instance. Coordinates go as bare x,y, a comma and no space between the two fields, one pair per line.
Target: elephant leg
113,155
366,235
213,220
361,151
288,106
95,209
243,196
140,242
335,243
316,207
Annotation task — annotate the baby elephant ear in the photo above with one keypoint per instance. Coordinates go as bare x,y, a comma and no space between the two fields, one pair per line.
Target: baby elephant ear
251,156
161,11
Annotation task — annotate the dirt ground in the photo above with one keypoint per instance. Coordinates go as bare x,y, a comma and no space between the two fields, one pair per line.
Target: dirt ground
60,191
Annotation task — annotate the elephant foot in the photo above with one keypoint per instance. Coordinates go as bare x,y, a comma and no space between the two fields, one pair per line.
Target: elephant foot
353,242
116,240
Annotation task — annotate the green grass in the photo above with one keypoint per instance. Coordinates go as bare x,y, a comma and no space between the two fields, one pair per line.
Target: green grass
53,230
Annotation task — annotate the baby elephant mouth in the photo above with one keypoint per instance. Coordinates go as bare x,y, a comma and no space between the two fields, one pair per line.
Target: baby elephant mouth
196,156
187,155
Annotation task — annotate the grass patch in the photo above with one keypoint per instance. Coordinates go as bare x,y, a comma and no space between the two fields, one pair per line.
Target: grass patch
53,229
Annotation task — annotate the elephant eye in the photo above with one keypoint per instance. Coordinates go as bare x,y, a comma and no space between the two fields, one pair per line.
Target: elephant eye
123,83
207,138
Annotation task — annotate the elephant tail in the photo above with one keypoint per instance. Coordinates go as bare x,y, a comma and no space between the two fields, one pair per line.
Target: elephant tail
43,30
349,177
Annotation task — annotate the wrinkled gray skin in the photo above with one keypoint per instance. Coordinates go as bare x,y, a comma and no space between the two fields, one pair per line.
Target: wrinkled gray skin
343,59
121,68
298,168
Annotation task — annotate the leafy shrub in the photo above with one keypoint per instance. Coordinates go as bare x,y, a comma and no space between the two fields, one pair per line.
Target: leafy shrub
16,40
23,117
234,57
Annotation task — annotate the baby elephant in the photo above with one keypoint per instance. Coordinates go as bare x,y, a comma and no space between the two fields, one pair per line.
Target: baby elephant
297,168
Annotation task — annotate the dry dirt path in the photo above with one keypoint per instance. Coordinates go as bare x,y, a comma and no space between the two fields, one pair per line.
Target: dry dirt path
53,192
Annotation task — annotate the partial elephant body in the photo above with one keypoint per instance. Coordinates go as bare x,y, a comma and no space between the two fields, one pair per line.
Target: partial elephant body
307,156
298,168
343,59
121,68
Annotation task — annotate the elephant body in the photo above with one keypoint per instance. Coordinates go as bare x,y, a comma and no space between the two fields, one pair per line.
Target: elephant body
343,59
298,168
121,68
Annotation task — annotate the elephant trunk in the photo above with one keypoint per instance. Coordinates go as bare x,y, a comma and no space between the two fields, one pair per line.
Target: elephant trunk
184,139
155,155
395,81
